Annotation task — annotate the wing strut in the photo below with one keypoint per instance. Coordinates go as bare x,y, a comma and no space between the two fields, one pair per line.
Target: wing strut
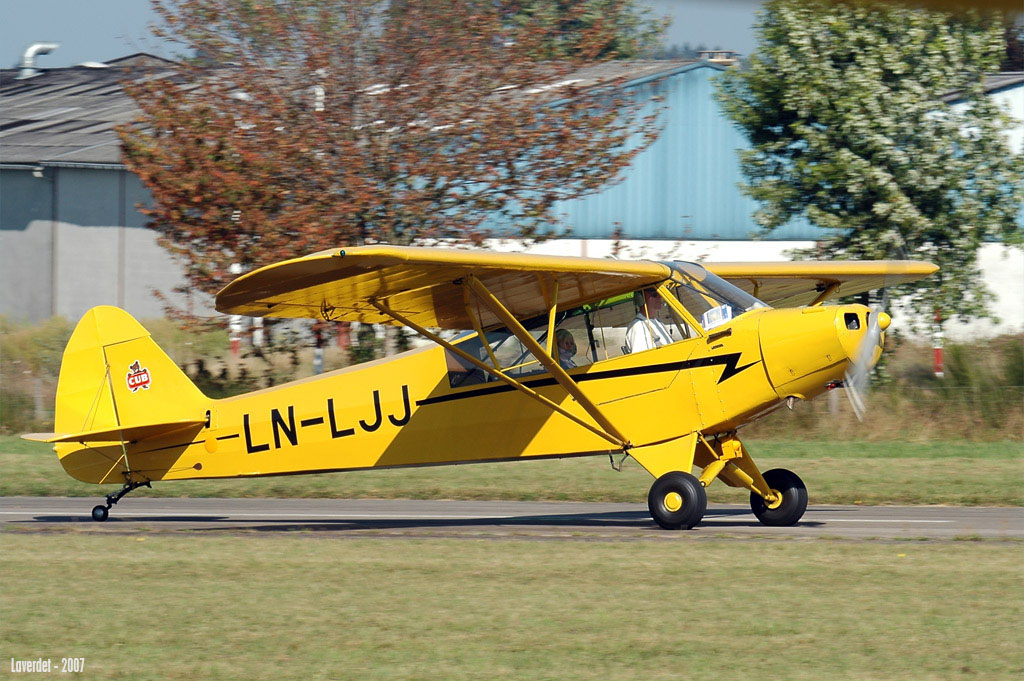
479,329
826,292
612,438
549,363
552,303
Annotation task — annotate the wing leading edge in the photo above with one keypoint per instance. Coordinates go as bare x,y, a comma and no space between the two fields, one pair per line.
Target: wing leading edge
804,282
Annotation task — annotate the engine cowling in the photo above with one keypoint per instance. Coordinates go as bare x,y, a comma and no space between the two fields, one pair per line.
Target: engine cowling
805,349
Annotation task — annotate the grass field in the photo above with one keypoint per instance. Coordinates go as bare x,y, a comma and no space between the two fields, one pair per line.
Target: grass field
270,606
978,473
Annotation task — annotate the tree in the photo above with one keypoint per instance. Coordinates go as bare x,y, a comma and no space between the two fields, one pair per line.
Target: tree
300,125
633,33
848,110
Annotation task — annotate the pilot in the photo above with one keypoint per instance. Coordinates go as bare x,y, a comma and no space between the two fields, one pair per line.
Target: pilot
646,331
566,345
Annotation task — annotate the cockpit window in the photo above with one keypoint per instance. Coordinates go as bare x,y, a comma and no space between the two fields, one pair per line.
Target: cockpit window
583,335
502,348
709,298
597,331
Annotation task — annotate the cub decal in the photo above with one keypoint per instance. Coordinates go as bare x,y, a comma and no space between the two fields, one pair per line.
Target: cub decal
138,377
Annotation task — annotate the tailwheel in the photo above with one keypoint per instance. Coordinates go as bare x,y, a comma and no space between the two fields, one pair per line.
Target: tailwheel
677,501
790,502
100,513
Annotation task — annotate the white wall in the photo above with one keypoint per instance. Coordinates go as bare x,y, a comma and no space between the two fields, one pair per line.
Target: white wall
71,239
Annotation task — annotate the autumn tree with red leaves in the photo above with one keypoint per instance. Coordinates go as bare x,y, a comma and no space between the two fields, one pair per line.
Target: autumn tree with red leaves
301,125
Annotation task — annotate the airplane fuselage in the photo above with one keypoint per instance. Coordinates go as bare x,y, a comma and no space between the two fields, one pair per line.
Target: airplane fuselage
402,411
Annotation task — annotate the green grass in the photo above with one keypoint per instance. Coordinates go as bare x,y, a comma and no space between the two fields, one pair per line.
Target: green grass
979,473
269,606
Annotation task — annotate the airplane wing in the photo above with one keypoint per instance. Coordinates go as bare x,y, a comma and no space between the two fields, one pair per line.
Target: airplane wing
803,282
422,284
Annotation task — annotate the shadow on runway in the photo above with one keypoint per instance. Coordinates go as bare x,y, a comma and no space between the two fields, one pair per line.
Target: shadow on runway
86,518
637,520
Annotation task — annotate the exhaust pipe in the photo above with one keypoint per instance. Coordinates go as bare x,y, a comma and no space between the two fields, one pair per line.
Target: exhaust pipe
27,65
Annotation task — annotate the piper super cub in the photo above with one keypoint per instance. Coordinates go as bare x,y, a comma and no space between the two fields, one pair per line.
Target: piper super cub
558,357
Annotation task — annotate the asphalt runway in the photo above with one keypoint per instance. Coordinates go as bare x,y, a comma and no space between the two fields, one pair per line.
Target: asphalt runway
550,520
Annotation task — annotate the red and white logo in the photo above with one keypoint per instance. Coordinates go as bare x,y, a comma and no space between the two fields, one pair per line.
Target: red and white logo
138,377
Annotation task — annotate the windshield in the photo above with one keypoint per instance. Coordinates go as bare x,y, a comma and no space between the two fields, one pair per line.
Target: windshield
708,297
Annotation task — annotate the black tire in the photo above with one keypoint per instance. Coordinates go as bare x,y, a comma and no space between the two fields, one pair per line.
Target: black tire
794,499
677,488
100,513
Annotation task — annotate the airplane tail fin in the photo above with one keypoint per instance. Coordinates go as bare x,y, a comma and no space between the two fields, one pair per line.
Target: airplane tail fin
116,384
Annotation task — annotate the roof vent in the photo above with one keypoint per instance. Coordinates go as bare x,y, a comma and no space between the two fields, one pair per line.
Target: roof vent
27,65
724,57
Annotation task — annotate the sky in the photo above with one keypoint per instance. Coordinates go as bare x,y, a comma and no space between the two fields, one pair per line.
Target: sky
99,30
87,30
724,24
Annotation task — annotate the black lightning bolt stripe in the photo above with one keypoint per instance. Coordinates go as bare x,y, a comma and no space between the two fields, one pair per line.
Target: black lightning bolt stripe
729,362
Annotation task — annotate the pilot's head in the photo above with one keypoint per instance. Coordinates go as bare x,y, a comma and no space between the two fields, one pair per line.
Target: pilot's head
647,301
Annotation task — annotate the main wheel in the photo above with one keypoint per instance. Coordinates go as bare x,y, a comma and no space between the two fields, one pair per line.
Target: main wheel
677,501
792,505
99,513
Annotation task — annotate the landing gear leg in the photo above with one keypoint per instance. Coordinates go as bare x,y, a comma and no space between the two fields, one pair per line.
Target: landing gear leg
100,513
778,497
791,499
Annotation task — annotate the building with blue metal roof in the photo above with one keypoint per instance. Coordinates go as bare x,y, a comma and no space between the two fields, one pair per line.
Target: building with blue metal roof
685,186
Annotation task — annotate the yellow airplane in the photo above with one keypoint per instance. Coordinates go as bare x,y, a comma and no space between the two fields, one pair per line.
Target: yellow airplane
558,357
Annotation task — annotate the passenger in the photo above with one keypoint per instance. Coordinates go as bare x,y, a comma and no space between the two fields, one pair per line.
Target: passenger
566,345
646,331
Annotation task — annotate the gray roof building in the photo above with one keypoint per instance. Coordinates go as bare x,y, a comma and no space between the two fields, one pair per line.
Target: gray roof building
71,236
68,115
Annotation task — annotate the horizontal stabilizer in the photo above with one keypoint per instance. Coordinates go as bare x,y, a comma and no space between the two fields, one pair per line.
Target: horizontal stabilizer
122,434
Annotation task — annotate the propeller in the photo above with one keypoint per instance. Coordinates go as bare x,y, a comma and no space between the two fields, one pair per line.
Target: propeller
856,380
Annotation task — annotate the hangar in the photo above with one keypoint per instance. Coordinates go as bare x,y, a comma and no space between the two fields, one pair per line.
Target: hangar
71,235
